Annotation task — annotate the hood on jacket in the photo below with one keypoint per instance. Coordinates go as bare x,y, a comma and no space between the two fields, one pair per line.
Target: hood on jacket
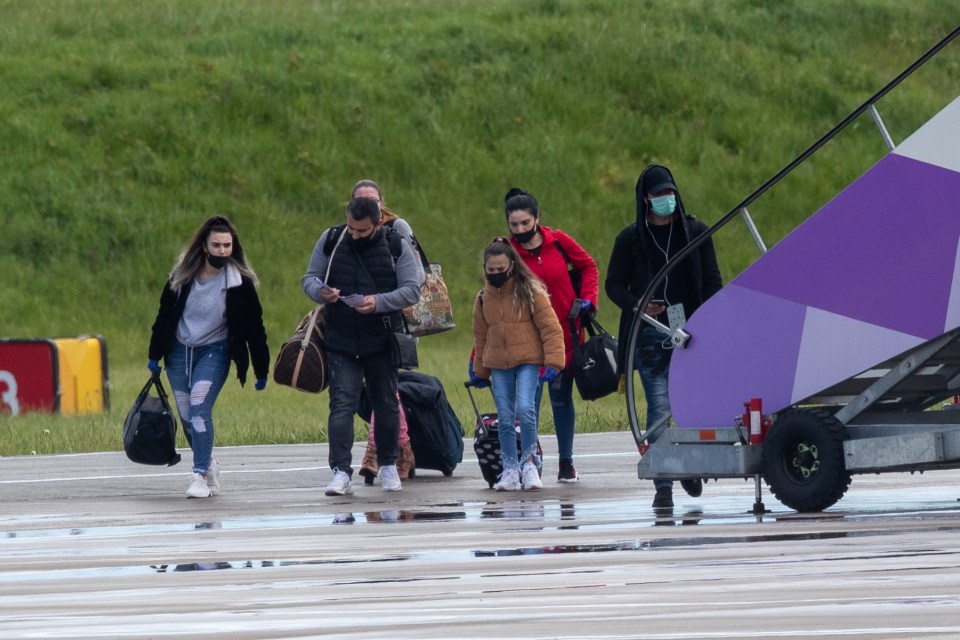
655,178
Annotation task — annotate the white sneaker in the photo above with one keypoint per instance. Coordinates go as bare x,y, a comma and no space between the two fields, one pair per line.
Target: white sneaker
339,485
389,478
531,477
509,481
213,477
198,487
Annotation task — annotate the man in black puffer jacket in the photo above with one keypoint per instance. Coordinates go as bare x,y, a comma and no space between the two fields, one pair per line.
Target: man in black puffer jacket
364,274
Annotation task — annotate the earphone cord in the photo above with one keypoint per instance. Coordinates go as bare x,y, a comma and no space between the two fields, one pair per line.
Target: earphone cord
666,255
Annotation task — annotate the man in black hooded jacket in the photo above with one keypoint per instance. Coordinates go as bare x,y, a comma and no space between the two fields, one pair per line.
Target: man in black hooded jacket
661,230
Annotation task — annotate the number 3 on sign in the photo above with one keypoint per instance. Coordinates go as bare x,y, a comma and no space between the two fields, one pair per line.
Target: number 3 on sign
8,396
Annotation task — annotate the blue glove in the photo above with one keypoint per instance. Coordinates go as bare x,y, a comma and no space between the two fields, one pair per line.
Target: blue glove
154,367
548,374
261,384
479,383
585,305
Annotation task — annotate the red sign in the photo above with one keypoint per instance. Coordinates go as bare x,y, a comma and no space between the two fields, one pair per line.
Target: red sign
29,377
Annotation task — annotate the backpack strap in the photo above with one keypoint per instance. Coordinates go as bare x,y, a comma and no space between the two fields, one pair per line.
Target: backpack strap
333,236
394,239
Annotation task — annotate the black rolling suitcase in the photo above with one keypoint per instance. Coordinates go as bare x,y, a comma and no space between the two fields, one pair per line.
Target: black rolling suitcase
436,435
486,441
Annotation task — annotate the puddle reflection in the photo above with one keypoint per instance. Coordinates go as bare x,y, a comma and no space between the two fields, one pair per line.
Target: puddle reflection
398,515
260,564
579,548
666,518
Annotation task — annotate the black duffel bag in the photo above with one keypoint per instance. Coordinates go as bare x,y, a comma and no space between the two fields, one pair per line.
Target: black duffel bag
150,430
595,370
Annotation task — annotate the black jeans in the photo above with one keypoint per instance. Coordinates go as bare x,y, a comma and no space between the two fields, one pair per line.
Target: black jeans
347,375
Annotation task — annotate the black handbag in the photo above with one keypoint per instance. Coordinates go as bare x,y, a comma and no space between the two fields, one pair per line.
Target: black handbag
595,370
150,430
403,350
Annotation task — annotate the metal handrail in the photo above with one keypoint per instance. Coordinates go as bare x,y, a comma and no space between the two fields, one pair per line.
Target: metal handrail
641,317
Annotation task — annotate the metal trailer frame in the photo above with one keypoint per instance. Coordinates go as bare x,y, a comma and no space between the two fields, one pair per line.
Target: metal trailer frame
874,422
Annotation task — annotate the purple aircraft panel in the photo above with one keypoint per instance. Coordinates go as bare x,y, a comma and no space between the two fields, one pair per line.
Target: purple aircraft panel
870,275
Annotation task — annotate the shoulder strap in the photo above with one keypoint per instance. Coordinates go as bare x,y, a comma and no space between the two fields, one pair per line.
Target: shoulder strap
575,278
563,252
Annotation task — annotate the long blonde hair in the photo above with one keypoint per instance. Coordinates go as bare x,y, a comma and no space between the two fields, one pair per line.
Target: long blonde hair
192,257
526,285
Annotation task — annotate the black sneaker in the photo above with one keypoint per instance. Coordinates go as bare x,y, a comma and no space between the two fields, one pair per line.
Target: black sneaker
567,472
693,486
663,499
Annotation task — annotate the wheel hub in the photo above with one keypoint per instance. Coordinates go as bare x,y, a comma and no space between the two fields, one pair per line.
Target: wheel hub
806,460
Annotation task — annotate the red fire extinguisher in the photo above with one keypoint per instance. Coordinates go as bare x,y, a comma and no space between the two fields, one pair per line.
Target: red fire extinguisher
756,423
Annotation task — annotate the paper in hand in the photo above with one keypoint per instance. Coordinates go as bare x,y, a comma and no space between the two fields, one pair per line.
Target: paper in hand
352,300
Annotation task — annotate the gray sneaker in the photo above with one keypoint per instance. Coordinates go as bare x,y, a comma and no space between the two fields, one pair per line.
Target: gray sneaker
339,485
213,477
509,481
389,478
531,477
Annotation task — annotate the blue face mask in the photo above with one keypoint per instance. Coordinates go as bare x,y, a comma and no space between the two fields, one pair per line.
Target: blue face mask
664,206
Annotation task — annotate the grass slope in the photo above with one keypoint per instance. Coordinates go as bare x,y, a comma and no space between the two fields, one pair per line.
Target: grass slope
123,124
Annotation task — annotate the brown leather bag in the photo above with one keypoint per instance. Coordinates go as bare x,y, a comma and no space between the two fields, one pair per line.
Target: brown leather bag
302,361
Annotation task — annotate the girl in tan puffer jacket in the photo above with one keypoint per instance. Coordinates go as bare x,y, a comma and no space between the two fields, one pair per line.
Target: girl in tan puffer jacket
518,343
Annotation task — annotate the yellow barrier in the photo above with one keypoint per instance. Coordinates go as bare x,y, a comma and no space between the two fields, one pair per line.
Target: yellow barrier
83,375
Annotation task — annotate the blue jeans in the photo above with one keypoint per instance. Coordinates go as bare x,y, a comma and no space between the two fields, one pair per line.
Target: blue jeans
514,392
564,416
652,362
197,375
347,376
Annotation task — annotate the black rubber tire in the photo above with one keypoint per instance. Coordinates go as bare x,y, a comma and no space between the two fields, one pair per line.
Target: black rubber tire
803,460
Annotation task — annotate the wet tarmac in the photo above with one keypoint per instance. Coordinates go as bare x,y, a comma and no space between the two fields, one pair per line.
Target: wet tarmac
94,546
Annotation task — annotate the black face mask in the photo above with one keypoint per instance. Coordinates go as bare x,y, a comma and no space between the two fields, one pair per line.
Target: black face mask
526,236
362,243
498,279
217,262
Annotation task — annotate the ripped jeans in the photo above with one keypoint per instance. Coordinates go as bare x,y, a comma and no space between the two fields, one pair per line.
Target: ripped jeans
197,375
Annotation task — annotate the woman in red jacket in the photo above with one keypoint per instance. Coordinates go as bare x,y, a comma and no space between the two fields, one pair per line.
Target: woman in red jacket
562,264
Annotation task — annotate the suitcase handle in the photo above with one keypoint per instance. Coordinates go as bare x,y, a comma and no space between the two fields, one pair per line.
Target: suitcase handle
469,386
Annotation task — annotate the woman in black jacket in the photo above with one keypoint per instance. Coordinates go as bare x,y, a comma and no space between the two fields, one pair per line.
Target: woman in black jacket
209,315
